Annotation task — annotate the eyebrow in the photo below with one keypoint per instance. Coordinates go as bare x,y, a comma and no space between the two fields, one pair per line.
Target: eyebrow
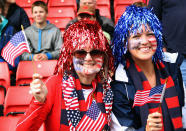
136,35
150,33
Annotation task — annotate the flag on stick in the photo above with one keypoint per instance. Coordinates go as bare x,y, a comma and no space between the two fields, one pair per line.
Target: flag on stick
16,46
154,95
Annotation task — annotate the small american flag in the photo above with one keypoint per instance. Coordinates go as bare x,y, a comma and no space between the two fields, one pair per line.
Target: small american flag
94,119
148,96
15,47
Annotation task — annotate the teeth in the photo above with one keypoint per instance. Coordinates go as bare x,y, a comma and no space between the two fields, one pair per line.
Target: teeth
144,49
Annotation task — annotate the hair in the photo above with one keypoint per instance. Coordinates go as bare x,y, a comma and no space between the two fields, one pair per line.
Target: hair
77,35
41,4
2,5
131,21
139,4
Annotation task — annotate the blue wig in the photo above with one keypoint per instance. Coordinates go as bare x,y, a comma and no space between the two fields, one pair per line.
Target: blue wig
130,22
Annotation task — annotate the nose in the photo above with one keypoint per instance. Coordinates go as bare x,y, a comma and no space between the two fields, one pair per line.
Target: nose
88,57
144,39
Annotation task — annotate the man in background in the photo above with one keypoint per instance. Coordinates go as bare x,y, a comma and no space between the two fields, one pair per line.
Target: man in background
87,10
43,37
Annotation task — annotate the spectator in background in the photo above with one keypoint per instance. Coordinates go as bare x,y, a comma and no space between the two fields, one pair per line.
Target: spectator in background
6,32
88,9
172,14
15,15
43,37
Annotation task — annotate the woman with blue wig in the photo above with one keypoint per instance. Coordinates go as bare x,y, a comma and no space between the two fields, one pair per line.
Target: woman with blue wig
145,75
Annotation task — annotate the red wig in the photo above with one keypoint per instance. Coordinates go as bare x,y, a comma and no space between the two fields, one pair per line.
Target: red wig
78,35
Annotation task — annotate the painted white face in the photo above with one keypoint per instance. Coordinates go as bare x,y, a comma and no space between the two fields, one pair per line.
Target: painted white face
142,45
39,14
87,61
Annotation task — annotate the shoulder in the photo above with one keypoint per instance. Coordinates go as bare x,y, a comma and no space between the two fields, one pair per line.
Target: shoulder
120,79
53,27
29,28
107,21
170,57
172,60
53,82
120,74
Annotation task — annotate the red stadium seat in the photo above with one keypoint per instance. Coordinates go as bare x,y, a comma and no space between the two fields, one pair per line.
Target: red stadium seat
103,2
26,3
63,3
104,7
104,11
120,6
26,69
126,2
60,22
61,12
119,11
4,75
8,123
17,100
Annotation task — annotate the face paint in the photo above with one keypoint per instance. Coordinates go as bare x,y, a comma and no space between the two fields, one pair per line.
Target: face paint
135,43
95,67
153,42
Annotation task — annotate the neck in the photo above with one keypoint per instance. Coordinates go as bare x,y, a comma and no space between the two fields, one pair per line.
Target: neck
87,80
41,25
146,66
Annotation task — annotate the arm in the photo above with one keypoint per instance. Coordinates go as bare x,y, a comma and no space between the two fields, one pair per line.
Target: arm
40,106
124,116
157,7
57,46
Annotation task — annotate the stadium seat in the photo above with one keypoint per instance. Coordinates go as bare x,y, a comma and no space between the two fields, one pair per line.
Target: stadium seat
8,123
26,69
120,6
126,2
60,22
26,3
118,12
17,100
63,3
104,7
61,12
4,75
103,2
104,11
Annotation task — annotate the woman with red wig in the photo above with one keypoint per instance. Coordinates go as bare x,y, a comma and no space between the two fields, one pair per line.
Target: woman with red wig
78,95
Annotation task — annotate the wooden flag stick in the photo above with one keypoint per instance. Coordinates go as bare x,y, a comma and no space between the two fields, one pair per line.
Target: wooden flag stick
162,94
33,63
